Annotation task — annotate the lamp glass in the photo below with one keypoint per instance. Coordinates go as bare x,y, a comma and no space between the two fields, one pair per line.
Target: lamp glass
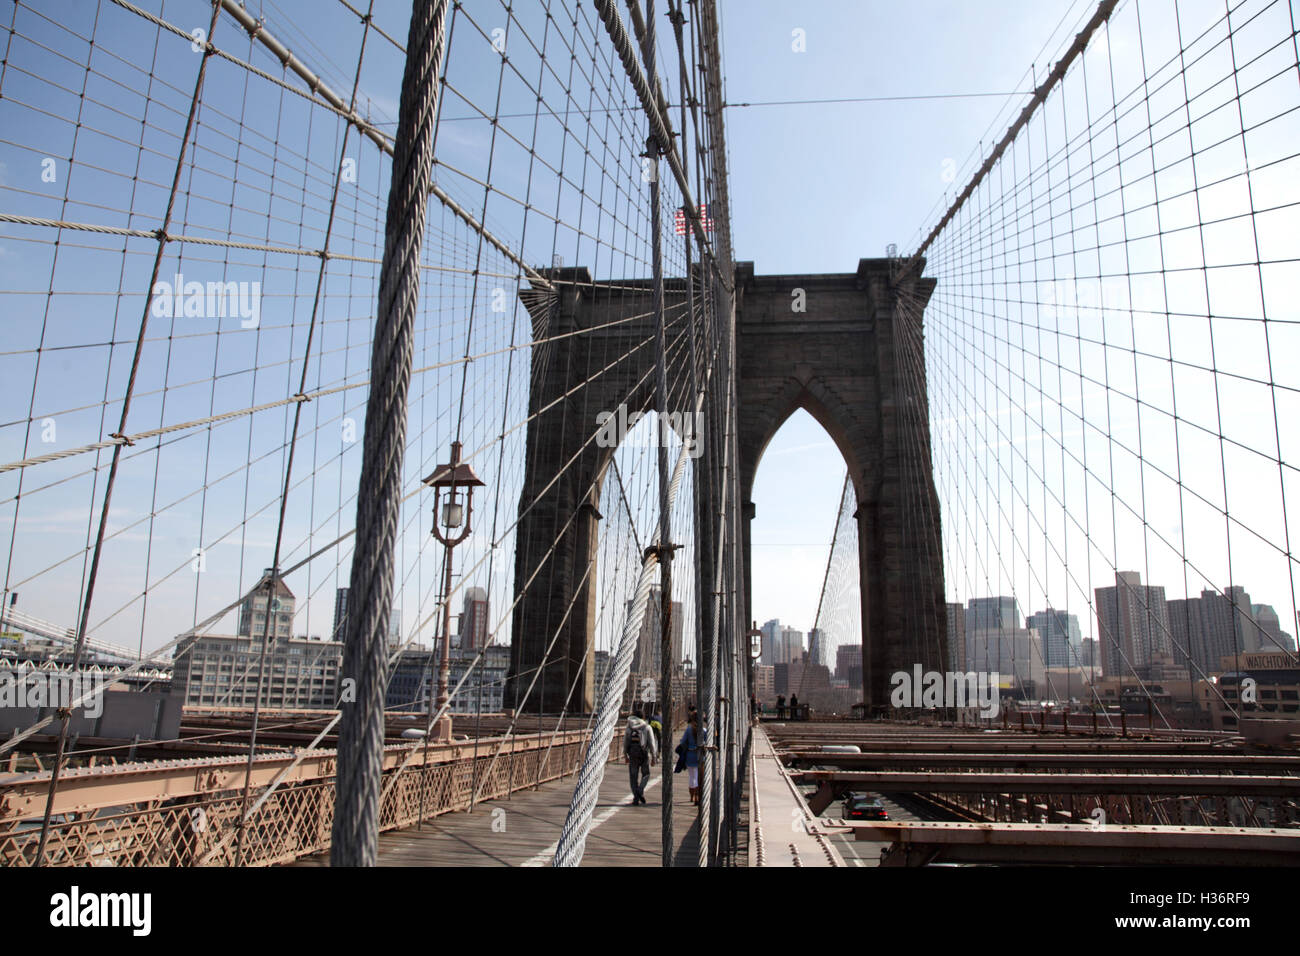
452,513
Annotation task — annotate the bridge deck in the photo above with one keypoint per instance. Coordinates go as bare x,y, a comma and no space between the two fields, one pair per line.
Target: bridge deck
522,830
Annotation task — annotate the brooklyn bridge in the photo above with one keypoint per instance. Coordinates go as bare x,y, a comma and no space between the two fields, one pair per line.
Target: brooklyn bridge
398,410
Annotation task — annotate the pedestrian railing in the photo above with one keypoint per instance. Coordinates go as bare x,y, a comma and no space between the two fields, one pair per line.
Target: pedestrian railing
188,812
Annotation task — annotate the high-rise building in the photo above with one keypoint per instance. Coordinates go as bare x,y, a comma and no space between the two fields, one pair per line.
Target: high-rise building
1060,634
992,613
1088,657
792,646
602,666
1187,636
848,664
984,616
252,612
600,670
395,638
340,630
1214,626
1228,624
771,632
650,640
1132,624
1016,652
474,620
990,627
1271,637
956,638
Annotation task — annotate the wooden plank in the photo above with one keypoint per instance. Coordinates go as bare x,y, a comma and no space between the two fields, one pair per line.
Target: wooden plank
514,831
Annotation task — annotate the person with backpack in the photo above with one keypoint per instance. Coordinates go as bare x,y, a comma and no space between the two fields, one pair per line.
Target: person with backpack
640,752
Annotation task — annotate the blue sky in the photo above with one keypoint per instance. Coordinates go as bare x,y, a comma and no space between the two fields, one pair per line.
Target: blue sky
814,187
1197,329
817,187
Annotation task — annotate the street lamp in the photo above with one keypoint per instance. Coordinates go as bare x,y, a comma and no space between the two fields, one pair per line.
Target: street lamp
459,481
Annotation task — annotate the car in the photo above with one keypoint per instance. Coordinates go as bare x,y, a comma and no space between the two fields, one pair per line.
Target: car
862,806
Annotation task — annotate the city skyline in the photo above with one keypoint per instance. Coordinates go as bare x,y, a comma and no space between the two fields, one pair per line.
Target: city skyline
1085,625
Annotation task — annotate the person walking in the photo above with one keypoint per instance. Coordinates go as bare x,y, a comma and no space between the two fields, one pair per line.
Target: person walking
780,706
794,706
688,749
640,752
656,723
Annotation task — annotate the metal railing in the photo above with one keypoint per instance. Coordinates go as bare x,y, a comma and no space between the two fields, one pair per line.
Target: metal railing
187,812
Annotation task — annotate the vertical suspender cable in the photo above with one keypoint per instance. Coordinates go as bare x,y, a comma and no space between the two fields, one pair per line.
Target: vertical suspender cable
738,622
654,148
361,730
66,713
273,579
573,838
700,476
708,760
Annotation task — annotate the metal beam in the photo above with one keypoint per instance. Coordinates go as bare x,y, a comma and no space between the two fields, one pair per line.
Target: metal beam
914,843
1198,763
1028,745
1204,784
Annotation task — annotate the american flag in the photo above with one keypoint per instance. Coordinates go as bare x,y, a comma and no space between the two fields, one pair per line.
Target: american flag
680,219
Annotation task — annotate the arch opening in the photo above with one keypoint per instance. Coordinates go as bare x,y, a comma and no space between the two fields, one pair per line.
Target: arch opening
805,568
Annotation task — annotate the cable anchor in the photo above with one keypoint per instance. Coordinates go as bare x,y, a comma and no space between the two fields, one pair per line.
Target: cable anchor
661,552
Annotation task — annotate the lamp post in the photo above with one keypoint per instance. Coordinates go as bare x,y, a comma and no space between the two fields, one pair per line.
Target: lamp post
457,478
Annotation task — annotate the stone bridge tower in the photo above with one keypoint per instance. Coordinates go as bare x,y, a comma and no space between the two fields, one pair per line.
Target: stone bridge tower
847,348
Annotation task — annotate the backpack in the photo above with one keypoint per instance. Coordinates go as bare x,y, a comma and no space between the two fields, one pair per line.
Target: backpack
634,748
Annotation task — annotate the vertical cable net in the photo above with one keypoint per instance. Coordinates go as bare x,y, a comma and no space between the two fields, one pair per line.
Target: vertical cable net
838,628
247,400
1109,357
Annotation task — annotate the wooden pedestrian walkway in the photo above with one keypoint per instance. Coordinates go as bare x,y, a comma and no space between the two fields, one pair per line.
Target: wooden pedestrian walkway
522,830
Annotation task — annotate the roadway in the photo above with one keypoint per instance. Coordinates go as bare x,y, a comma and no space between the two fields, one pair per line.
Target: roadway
902,808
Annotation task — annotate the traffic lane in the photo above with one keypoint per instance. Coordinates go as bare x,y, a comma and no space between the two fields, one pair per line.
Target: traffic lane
866,853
